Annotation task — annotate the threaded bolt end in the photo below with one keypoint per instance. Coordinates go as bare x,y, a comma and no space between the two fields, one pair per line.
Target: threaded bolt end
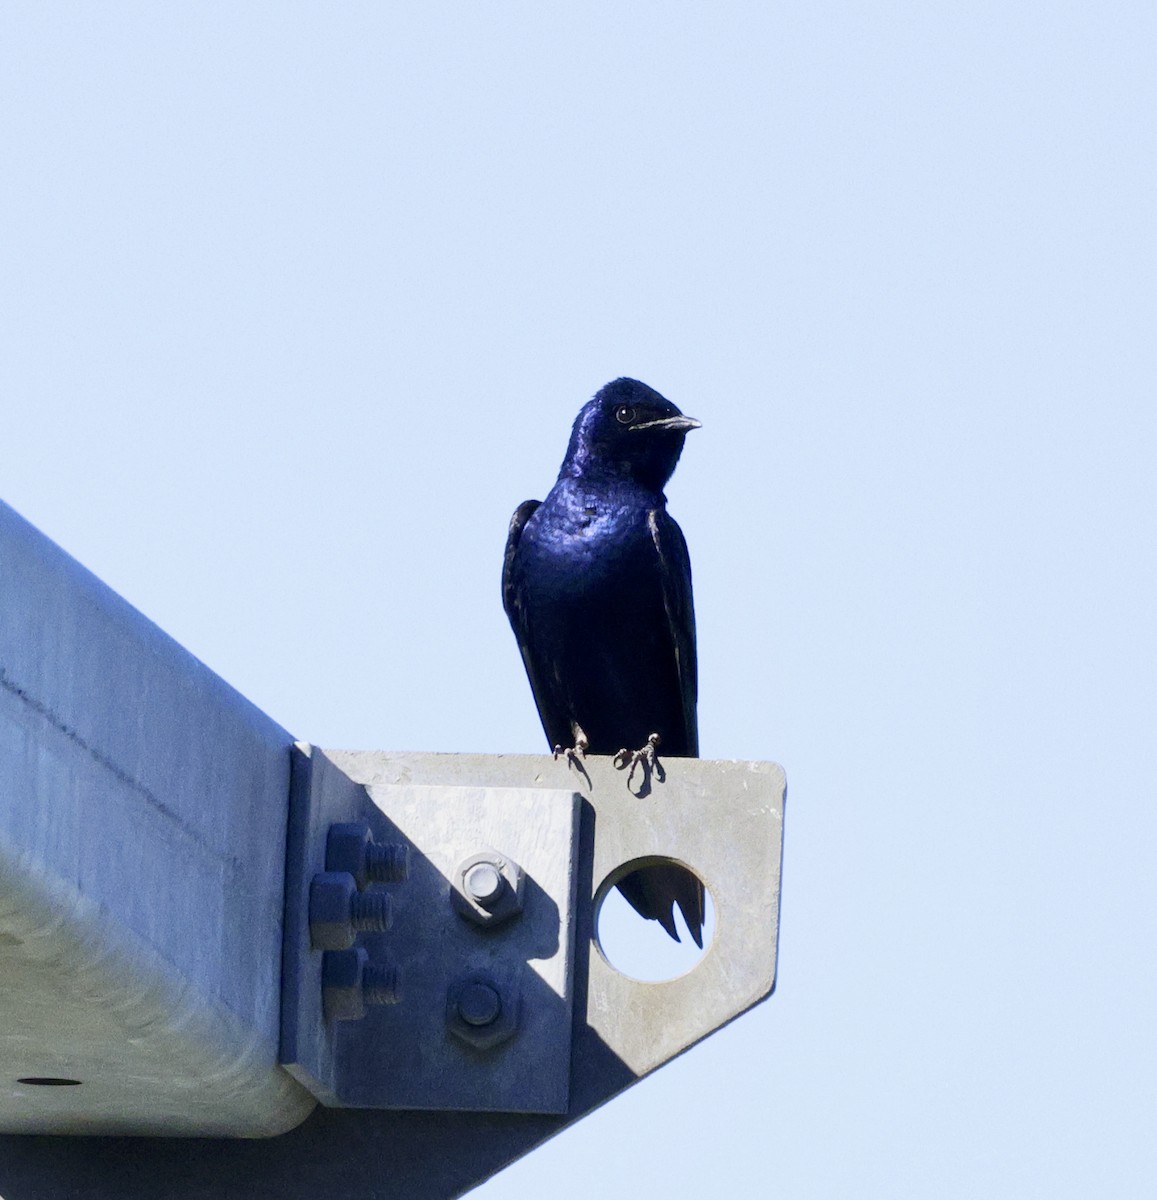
380,985
479,1004
387,863
370,912
484,884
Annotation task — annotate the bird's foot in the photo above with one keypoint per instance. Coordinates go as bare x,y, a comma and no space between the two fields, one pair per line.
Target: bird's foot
576,753
647,758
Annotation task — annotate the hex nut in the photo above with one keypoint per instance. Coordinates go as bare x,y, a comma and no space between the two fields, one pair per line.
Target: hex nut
482,898
481,1012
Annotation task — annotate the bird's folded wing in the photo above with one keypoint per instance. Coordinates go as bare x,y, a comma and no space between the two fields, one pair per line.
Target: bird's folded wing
675,573
555,720
522,514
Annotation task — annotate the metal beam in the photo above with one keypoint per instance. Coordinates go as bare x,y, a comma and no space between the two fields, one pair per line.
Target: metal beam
142,851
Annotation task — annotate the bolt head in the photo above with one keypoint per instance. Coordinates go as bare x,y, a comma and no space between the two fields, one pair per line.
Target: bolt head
330,896
342,998
345,849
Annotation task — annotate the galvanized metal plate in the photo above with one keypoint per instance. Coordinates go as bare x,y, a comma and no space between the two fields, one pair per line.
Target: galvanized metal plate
721,819
406,1055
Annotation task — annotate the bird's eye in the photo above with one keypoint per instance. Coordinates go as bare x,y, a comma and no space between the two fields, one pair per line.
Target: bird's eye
624,414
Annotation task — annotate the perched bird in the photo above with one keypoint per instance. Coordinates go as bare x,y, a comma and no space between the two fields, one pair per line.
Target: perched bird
597,585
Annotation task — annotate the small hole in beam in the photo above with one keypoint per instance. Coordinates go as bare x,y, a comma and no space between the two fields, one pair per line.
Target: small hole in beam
641,948
48,1081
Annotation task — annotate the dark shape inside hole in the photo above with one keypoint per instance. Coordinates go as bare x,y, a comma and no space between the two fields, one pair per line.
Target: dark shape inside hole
640,947
48,1081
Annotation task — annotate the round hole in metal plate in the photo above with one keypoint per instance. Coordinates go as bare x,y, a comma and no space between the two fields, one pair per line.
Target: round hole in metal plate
48,1081
627,931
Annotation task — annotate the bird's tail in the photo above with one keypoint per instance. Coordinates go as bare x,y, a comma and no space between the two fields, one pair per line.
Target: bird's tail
654,891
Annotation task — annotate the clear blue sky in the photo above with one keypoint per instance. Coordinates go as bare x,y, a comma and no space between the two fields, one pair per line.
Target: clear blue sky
298,302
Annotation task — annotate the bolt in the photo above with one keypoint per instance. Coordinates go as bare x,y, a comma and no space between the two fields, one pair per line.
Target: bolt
349,982
479,1004
338,911
481,1011
350,847
484,883
370,911
387,862
380,984
487,888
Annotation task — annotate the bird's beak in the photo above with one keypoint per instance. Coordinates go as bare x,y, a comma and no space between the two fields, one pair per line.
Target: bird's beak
678,424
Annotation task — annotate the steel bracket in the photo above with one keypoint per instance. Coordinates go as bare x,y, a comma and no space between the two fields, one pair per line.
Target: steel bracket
721,819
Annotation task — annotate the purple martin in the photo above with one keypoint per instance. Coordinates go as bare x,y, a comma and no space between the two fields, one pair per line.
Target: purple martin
596,582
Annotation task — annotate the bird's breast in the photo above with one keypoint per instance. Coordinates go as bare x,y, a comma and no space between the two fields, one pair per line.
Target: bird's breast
595,530
581,549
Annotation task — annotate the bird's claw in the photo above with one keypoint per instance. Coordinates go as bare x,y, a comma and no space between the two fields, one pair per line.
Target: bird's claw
647,758
576,753
572,754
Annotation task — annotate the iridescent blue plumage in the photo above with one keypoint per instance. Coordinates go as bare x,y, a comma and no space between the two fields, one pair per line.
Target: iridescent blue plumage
597,586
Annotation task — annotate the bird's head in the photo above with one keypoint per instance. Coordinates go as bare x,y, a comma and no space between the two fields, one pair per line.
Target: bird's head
628,430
